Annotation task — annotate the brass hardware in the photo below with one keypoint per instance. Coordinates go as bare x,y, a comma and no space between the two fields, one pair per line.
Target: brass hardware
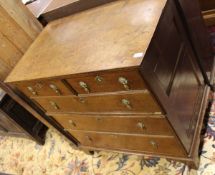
55,89
32,90
126,103
82,100
154,144
124,82
98,79
98,119
141,125
38,85
84,86
72,123
89,138
54,105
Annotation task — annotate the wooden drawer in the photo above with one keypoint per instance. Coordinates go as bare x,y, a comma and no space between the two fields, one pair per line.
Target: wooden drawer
156,125
166,145
108,82
44,88
138,102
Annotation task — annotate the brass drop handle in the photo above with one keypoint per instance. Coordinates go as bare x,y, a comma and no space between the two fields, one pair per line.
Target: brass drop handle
84,86
141,125
154,144
54,105
124,82
32,90
98,79
72,123
89,139
126,103
55,89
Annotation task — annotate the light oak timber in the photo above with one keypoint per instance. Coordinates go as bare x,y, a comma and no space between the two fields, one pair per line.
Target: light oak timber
10,54
107,39
139,124
22,17
18,30
125,142
209,17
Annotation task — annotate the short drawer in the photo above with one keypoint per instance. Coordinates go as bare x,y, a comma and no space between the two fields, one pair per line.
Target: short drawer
138,102
134,124
44,88
166,145
108,82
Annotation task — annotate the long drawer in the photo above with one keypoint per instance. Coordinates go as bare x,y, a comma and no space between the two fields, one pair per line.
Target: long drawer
133,124
167,145
130,102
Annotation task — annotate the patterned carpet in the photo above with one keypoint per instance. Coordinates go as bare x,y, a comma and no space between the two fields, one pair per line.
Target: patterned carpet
57,157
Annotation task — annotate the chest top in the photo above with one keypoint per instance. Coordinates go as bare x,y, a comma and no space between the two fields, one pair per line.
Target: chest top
115,35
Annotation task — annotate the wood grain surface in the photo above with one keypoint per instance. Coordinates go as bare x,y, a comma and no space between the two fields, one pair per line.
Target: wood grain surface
167,145
115,35
18,30
133,124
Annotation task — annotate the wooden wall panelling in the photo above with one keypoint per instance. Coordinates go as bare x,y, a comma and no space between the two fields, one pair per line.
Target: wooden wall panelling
4,70
18,30
13,32
9,53
22,16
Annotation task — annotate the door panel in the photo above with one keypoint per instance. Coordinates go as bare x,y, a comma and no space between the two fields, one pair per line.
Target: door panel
178,83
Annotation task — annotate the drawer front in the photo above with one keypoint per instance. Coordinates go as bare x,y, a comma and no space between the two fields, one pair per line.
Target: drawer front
108,82
157,145
141,102
154,125
44,88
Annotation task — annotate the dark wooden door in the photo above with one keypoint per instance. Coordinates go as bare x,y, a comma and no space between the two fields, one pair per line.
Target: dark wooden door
173,75
197,29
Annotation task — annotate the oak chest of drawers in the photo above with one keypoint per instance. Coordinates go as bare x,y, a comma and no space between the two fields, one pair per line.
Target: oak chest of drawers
119,77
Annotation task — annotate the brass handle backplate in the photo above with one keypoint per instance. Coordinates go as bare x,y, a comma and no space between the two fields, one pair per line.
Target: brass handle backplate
89,139
54,105
55,89
124,82
32,90
141,125
82,100
84,86
154,144
72,123
126,103
98,79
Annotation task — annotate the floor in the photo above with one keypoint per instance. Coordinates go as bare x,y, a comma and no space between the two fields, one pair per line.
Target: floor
58,157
